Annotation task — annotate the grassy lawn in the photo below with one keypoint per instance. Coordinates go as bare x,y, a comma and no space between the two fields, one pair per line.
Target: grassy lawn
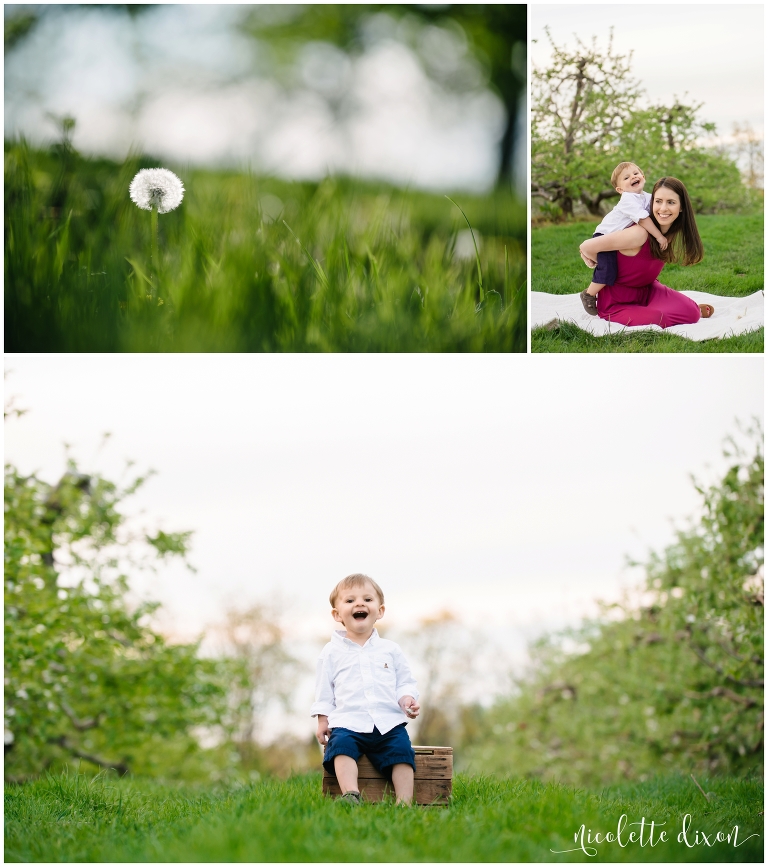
76,819
732,266
568,337
252,264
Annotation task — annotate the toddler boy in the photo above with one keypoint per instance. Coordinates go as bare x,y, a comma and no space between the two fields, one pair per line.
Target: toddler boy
633,207
364,694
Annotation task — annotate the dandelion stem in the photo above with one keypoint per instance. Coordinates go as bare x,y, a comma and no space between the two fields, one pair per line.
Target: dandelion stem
154,262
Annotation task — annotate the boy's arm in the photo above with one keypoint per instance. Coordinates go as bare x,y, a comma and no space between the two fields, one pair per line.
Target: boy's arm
324,703
409,706
626,239
323,730
407,693
650,227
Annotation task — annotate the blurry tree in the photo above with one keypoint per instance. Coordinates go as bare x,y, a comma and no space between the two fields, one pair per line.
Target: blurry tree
262,671
86,675
460,46
750,148
586,116
442,36
672,681
450,659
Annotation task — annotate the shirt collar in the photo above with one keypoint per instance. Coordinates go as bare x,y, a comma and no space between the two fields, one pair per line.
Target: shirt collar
340,636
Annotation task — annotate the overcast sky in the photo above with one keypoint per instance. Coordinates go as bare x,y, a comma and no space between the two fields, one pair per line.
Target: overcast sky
181,82
509,492
712,52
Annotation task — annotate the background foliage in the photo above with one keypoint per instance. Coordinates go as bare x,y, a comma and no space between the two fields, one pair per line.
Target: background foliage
588,115
86,676
671,680
252,264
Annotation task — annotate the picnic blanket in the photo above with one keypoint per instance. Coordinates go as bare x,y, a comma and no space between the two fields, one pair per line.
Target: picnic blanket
732,316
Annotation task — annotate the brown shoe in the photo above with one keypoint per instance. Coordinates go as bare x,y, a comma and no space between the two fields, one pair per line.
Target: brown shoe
589,302
706,310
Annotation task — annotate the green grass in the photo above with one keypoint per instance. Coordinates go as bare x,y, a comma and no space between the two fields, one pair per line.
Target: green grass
105,819
568,337
251,264
732,266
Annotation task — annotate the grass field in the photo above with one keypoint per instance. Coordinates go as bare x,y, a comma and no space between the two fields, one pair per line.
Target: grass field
105,819
250,264
733,265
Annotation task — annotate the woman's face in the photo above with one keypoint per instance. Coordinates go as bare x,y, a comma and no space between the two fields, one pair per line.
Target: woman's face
666,207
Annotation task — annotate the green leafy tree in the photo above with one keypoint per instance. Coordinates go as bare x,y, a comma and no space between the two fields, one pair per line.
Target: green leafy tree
587,116
86,675
578,106
666,140
672,681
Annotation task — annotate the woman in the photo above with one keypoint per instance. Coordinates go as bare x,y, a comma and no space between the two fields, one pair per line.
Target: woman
637,297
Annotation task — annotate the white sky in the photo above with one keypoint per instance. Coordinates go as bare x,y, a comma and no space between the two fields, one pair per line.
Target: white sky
181,83
505,490
713,52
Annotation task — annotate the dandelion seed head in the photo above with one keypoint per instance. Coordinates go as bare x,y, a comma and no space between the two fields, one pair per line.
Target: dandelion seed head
159,188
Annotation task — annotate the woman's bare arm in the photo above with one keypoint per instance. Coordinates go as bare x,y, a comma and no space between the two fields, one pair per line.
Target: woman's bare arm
627,239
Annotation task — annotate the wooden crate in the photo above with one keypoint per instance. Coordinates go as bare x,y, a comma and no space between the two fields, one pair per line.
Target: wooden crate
432,784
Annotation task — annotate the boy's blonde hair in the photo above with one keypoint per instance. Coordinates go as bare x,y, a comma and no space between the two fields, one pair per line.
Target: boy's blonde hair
356,580
618,170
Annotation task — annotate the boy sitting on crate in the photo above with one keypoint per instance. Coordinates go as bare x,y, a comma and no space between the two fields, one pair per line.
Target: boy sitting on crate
364,694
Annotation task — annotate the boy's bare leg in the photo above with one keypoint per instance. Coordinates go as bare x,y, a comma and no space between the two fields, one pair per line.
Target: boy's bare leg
594,288
402,780
346,773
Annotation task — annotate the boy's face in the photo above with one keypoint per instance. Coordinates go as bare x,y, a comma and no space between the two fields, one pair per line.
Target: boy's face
631,180
358,609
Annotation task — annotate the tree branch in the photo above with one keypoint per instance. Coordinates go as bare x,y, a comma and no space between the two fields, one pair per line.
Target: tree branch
81,725
722,692
62,741
712,665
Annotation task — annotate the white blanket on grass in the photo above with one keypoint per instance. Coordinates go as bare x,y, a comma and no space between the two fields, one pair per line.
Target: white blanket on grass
732,316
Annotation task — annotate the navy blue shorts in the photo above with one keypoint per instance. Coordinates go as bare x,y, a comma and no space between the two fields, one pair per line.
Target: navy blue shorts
607,268
392,748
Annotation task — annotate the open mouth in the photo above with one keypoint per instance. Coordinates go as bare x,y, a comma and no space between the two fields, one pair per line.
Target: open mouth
360,615
636,183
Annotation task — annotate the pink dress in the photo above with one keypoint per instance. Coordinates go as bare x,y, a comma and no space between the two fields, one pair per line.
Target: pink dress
637,297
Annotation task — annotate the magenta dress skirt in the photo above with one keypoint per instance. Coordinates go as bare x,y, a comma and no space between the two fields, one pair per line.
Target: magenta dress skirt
637,297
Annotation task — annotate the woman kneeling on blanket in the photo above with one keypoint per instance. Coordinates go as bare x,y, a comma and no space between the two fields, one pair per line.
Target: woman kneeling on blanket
637,297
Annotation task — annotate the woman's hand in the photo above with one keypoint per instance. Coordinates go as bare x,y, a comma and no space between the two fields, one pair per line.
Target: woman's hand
626,240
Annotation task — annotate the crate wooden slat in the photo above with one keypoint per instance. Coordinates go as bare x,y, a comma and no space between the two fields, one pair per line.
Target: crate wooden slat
433,779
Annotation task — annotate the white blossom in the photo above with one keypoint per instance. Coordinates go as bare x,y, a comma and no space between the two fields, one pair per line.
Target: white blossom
157,187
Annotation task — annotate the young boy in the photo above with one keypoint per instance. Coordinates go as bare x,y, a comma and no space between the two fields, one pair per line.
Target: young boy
364,694
634,207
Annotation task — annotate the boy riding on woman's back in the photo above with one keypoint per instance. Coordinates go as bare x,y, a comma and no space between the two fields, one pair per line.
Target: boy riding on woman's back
633,208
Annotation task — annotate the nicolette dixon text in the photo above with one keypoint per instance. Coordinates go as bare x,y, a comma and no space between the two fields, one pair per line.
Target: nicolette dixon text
651,834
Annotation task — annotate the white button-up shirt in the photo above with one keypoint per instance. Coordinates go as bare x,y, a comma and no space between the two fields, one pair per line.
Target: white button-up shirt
631,208
358,688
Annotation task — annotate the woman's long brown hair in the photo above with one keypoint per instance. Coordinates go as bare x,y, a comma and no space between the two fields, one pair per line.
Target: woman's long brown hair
684,247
